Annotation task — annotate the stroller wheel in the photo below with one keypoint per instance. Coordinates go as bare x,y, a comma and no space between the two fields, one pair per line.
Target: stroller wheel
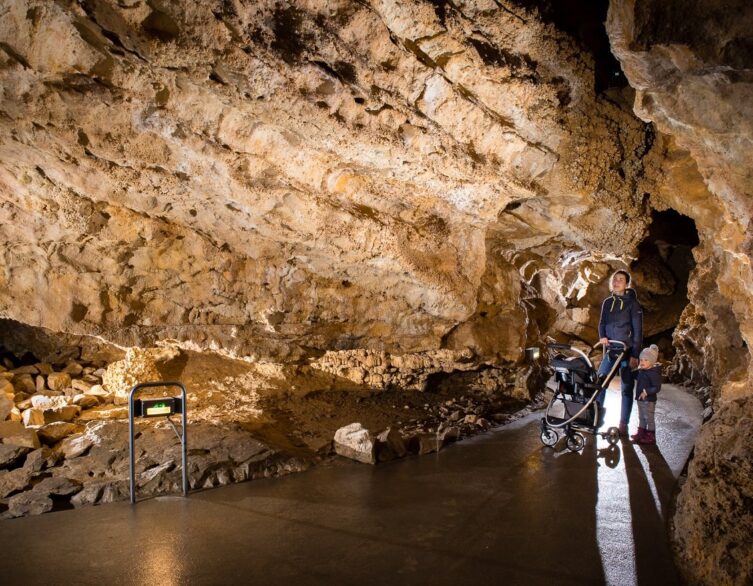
576,442
612,436
549,437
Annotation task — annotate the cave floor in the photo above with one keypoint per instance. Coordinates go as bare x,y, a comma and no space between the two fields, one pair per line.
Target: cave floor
497,508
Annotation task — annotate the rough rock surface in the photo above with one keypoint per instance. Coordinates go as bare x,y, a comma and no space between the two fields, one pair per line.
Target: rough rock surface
690,64
272,178
138,366
403,192
356,442
94,466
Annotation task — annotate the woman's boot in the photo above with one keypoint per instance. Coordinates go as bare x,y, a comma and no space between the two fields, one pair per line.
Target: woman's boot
638,436
623,429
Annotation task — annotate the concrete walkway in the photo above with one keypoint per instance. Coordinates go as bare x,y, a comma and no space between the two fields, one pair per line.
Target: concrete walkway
498,509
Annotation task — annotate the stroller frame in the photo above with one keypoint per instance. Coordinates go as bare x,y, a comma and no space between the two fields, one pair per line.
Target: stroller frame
578,385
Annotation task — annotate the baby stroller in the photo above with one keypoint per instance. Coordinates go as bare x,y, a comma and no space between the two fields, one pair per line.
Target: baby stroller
573,410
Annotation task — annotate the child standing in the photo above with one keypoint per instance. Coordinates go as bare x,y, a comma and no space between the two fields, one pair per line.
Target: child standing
648,383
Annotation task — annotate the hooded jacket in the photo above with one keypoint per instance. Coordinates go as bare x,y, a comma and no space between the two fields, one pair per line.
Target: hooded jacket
622,319
649,380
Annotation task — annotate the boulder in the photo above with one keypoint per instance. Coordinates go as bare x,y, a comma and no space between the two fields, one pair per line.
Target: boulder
24,383
448,435
40,384
424,443
40,459
25,370
10,455
52,433
6,387
138,366
58,381
6,406
30,502
97,390
14,481
44,368
104,412
355,442
390,445
85,401
23,401
32,417
43,403
58,485
74,369
15,434
81,385
76,445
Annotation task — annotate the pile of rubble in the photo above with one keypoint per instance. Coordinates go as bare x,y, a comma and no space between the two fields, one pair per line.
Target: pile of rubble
443,424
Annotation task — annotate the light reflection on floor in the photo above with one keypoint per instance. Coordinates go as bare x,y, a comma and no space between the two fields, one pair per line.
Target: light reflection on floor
614,532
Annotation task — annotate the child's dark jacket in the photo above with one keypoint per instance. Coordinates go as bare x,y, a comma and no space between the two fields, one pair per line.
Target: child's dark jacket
649,380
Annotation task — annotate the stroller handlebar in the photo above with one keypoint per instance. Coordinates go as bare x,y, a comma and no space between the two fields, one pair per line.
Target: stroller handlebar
610,342
559,346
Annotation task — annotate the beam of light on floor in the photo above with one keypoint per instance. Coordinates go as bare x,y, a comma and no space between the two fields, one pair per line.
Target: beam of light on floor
614,527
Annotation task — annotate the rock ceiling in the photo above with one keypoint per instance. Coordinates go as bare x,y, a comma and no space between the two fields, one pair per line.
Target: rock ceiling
270,178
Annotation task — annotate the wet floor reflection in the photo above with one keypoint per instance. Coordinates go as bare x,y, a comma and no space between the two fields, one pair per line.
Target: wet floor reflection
635,486
495,509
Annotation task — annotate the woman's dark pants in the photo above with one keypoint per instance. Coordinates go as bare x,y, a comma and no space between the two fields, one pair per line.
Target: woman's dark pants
627,383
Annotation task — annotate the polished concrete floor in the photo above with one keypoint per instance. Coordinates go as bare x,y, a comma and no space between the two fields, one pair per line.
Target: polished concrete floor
498,509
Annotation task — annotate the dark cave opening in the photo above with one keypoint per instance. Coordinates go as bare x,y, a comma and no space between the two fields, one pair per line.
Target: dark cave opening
665,261
584,21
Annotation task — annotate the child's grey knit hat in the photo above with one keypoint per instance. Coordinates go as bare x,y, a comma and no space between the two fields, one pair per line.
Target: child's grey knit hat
651,353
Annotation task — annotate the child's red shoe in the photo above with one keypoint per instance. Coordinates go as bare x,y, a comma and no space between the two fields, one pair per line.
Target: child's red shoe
649,439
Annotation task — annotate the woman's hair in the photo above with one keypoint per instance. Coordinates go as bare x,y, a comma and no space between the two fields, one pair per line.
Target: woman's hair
621,272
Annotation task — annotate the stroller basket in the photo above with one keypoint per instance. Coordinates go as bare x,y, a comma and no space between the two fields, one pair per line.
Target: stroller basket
573,407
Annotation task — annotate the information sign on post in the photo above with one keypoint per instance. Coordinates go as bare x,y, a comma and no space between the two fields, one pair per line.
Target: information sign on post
157,407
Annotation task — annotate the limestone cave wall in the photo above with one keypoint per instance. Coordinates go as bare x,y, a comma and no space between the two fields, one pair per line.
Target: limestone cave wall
289,180
690,64
279,179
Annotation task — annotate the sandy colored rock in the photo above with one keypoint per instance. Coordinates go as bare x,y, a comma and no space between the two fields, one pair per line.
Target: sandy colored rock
32,417
52,433
355,442
390,445
57,381
43,402
85,401
24,383
97,390
74,369
10,454
30,502
6,406
15,434
44,368
138,366
14,481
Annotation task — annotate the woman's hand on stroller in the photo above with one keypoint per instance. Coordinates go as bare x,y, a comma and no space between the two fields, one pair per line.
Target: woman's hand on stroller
604,341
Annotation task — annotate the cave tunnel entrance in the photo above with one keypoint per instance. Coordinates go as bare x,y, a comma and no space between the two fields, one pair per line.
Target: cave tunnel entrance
665,261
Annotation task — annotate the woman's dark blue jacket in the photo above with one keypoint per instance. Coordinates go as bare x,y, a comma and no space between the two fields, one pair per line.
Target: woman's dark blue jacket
622,319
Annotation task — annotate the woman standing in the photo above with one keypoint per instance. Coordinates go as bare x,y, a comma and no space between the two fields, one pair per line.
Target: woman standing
621,319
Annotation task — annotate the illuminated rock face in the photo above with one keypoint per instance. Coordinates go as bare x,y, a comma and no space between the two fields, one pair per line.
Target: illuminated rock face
278,181
274,180
690,66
